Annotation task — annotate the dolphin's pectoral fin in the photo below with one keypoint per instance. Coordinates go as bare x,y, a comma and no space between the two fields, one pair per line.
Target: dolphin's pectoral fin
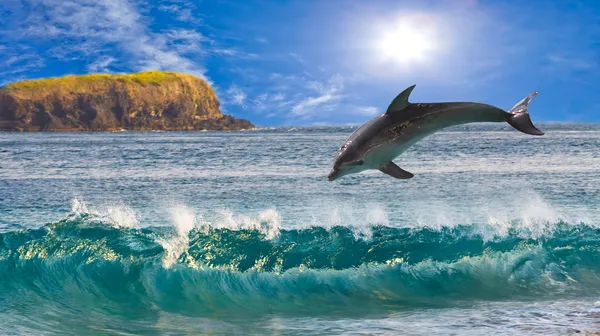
393,170
401,101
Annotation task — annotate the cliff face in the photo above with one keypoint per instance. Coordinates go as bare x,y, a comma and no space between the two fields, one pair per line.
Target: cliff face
152,100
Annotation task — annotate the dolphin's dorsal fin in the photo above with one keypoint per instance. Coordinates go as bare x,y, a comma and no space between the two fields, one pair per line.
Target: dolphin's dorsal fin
401,101
393,170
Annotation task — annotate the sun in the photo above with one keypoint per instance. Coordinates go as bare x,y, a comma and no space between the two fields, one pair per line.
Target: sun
408,41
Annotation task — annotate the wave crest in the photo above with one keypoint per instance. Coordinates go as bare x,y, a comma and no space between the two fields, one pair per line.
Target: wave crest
207,268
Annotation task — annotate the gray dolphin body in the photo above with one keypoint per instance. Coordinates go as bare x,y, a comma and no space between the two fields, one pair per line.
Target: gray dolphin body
376,143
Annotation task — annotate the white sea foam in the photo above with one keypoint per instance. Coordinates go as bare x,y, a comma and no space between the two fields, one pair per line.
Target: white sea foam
78,206
118,215
435,215
268,222
532,216
122,216
184,220
525,212
377,215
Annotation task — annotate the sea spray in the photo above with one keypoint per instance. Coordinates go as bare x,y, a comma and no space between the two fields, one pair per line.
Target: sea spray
122,216
268,222
176,244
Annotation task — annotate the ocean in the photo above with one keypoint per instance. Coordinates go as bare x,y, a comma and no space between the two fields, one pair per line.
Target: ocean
240,233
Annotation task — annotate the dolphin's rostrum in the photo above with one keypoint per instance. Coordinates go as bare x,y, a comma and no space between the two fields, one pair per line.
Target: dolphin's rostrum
376,143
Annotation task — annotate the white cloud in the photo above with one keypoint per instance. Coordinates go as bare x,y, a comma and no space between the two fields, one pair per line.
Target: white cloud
298,58
232,52
101,64
272,103
237,96
366,110
16,61
186,41
262,40
562,61
278,96
183,12
111,23
277,76
304,98
327,98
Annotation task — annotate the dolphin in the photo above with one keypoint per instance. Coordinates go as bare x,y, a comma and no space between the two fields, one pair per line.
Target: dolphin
376,143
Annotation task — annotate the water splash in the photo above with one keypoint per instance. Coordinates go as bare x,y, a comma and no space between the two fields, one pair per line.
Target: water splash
268,222
184,221
122,216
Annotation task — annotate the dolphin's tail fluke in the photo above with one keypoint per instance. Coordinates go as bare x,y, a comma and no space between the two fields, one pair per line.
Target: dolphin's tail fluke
518,117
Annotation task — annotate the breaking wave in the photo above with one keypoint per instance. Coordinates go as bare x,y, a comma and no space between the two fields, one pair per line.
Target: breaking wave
106,262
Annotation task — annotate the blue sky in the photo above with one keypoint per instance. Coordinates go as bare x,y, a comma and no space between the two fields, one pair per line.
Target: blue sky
306,62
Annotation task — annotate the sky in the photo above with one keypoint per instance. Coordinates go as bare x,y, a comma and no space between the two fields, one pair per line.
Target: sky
323,62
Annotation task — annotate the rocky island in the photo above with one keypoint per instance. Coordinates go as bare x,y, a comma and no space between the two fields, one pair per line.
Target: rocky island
151,100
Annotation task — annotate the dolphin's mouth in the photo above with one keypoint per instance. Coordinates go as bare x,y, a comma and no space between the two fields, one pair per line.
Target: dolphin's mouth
333,174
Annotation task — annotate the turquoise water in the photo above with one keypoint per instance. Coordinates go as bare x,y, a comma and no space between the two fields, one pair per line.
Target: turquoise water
240,233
